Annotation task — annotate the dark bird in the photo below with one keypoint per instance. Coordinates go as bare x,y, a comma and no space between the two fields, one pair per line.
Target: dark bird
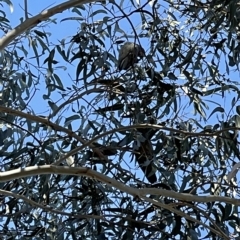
128,55
144,153
156,78
106,150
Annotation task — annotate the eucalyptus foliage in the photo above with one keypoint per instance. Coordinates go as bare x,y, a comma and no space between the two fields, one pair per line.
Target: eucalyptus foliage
170,121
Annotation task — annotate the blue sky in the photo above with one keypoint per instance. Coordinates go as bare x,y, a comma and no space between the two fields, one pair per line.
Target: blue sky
68,29
56,32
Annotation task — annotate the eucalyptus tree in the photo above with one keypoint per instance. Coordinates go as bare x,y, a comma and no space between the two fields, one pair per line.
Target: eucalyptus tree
119,120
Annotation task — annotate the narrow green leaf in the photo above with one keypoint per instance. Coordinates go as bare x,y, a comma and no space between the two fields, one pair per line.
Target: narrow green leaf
217,109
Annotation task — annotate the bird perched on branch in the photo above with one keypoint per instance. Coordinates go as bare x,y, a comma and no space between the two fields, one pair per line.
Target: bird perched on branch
128,55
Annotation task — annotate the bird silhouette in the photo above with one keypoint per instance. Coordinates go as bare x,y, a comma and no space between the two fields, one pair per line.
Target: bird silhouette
128,55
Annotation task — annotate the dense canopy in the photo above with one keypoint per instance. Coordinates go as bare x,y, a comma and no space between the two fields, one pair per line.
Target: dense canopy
102,142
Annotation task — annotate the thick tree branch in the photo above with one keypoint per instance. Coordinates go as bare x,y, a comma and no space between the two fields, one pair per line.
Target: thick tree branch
32,22
81,171
87,172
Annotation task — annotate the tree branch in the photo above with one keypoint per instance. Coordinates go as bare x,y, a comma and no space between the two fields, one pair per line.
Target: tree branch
87,172
182,214
55,127
32,22
81,171
46,208
73,99
147,125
